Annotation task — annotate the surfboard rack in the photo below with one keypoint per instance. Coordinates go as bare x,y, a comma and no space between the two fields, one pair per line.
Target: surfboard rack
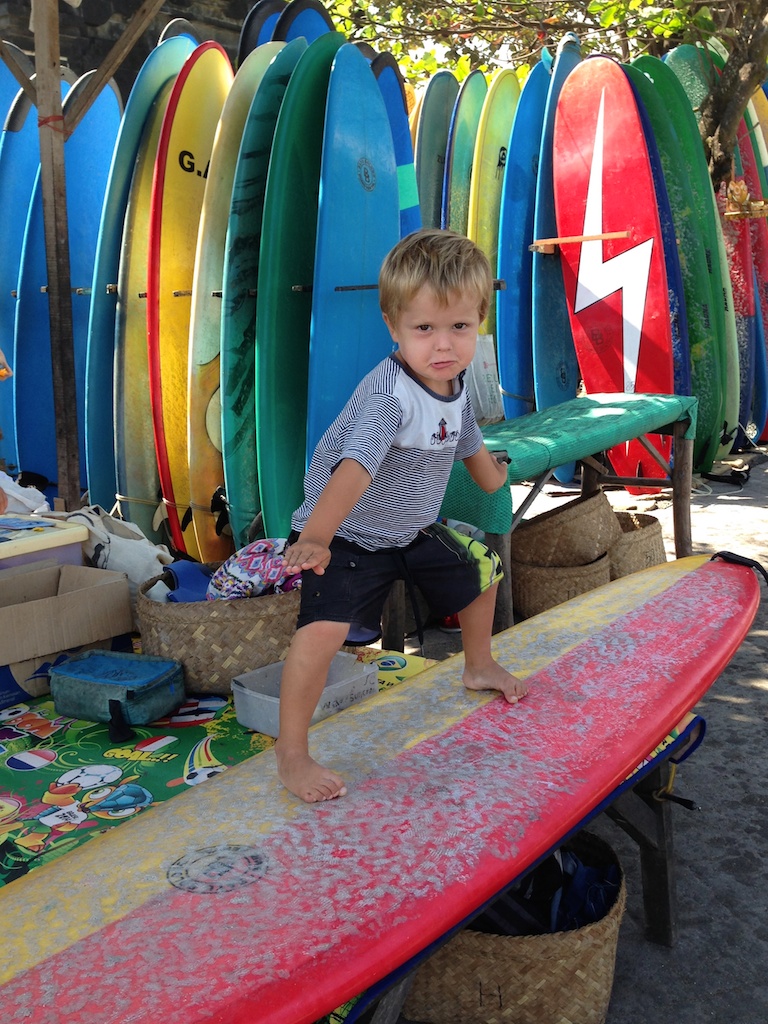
498,285
549,245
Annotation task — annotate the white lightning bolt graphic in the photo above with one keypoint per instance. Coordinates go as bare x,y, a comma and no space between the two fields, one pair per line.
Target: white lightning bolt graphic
629,271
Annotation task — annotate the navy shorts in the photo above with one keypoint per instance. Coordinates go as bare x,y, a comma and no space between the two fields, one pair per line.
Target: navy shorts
449,569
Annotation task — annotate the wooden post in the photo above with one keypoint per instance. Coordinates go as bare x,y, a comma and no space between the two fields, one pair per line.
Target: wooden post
45,20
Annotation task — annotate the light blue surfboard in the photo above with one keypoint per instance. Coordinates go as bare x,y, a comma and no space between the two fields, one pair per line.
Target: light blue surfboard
238,312
514,337
462,132
19,161
163,64
87,156
555,367
307,18
392,86
358,222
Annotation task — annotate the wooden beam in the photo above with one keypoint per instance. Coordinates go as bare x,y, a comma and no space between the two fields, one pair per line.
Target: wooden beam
45,20
8,54
122,47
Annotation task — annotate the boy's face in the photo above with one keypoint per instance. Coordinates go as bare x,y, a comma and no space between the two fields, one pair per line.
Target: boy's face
436,341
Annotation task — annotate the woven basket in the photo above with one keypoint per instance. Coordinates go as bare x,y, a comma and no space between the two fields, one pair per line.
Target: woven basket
640,545
560,978
572,534
538,587
217,640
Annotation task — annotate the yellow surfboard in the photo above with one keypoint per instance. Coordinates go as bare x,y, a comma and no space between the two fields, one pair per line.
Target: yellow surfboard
135,461
488,164
206,468
184,152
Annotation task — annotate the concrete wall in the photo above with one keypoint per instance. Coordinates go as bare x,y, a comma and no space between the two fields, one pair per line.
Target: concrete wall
89,31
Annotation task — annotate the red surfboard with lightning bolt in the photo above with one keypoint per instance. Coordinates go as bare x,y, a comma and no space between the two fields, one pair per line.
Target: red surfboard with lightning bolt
616,288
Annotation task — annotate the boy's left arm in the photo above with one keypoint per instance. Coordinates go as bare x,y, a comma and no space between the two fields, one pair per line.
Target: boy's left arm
485,469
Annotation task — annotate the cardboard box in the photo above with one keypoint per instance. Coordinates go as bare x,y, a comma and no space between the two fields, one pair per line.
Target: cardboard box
48,614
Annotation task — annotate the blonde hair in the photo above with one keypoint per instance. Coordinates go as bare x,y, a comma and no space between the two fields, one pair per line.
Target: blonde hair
444,261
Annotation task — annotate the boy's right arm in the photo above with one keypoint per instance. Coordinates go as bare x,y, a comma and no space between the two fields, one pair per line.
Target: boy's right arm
348,483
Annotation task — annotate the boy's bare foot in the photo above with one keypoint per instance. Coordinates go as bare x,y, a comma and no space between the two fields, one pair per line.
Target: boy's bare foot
494,677
307,779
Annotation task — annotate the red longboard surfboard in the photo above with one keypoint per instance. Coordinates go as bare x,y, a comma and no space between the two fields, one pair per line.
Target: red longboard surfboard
616,289
235,903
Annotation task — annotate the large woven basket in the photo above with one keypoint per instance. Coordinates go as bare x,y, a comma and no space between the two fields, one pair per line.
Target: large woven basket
559,978
217,640
575,533
538,587
640,545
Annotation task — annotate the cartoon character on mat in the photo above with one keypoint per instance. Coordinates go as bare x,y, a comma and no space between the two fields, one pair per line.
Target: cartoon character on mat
78,799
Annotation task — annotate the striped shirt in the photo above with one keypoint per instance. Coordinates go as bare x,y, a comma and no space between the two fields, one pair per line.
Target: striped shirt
407,437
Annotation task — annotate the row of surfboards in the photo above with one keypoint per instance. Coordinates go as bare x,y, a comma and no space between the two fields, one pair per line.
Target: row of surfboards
227,229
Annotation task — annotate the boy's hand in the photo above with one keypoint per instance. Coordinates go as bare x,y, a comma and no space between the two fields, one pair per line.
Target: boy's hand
306,554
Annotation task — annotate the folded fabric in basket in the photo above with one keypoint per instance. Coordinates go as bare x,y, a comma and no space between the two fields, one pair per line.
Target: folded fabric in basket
256,569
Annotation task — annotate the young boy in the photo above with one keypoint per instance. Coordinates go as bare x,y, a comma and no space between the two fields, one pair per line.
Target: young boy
374,489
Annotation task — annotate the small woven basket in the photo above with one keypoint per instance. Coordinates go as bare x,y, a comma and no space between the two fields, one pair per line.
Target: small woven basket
559,978
538,587
639,546
572,534
217,640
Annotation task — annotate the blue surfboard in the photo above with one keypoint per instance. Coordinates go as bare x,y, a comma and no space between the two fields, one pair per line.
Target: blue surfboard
515,264
307,18
87,156
238,307
555,367
258,26
358,223
392,86
19,161
162,64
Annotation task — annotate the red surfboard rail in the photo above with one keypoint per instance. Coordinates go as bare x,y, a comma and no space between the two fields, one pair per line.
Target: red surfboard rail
616,288
234,903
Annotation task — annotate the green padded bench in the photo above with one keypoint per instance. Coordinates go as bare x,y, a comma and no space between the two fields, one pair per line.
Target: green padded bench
578,430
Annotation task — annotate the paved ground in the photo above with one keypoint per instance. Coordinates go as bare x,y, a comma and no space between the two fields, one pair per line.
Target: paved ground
718,969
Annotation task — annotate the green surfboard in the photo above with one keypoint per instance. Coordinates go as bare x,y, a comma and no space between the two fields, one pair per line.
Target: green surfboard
696,243
284,289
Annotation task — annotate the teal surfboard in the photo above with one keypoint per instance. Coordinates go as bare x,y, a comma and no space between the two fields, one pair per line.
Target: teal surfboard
238,305
555,367
162,65
515,263
358,223
87,156
392,86
432,142
19,160
284,289
462,133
